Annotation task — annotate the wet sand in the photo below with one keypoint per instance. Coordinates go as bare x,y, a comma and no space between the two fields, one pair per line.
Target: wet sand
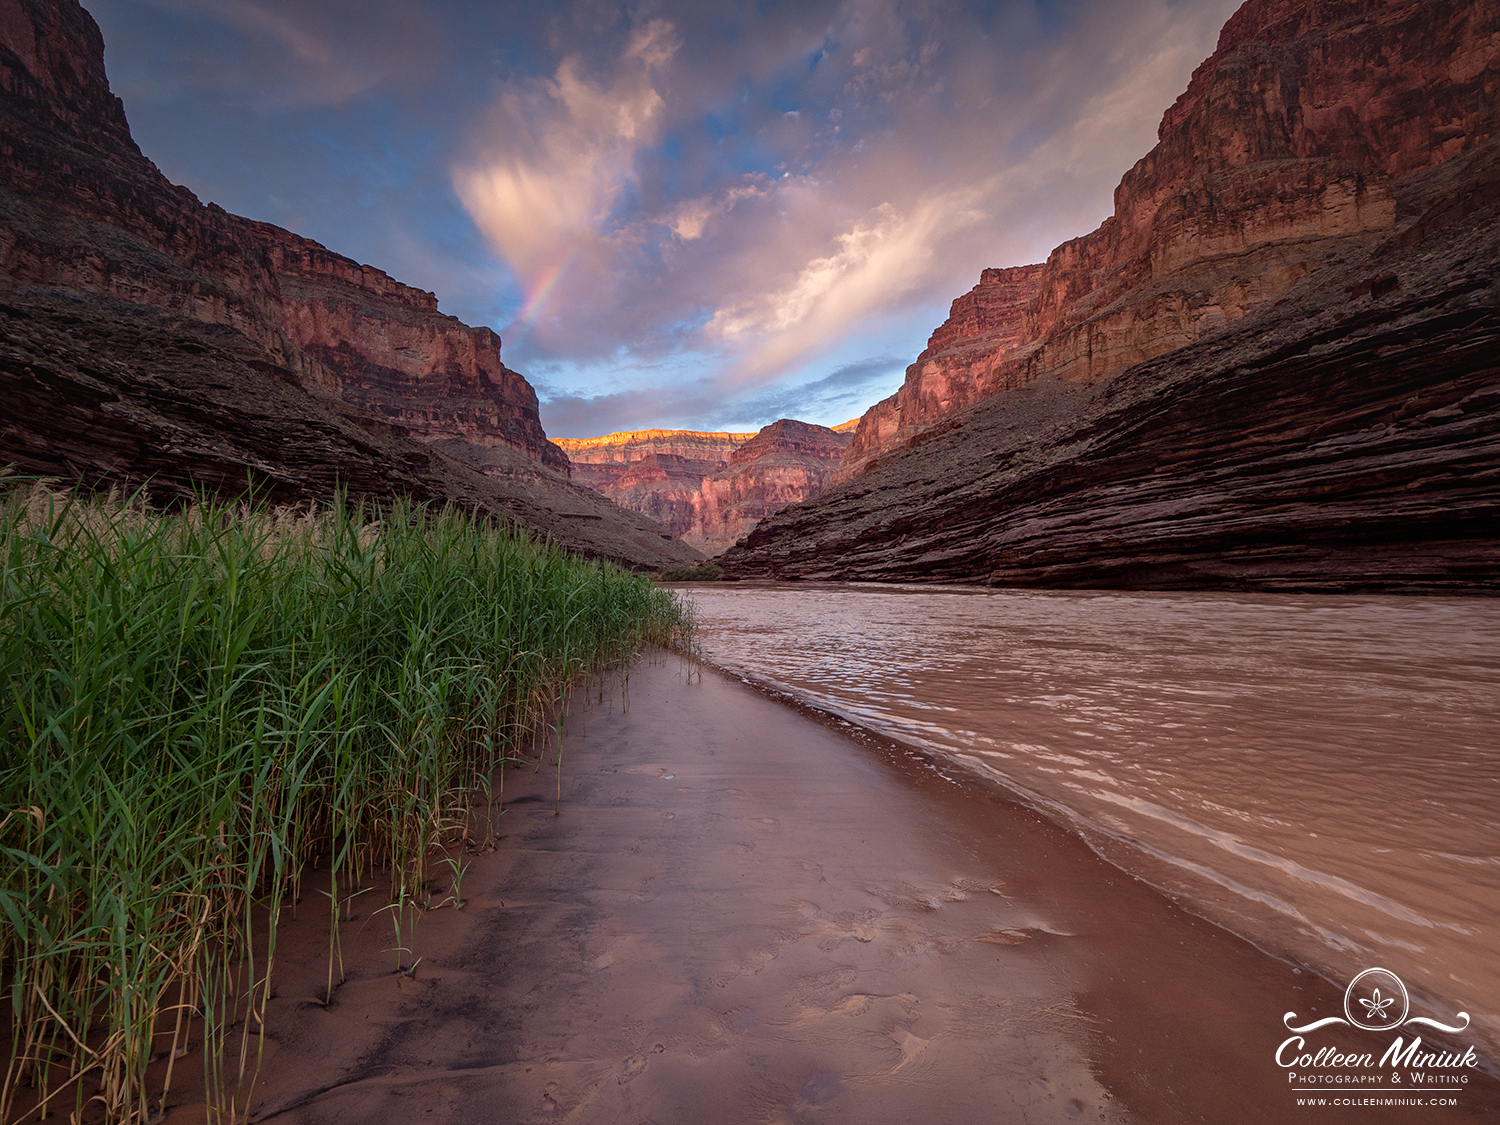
745,915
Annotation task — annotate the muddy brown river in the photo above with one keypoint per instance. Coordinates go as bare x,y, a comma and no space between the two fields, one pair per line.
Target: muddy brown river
1320,775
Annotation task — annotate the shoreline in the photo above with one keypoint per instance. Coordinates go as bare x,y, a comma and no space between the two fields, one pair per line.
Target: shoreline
974,774
1310,772
742,913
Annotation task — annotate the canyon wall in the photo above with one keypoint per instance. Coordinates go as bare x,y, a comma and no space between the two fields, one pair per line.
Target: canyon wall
1277,366
148,339
632,445
1283,146
709,489
984,326
386,348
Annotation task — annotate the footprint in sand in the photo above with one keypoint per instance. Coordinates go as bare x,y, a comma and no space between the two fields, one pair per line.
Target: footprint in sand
1004,937
630,1068
911,1047
1015,935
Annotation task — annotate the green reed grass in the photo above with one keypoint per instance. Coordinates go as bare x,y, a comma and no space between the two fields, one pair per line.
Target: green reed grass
204,710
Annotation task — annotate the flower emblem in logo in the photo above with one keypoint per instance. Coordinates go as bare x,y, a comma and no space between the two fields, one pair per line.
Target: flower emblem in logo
1371,1000
1375,1006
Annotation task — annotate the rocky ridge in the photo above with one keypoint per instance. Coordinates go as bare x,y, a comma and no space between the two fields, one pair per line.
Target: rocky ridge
145,337
1318,410
1284,143
632,445
709,489
984,326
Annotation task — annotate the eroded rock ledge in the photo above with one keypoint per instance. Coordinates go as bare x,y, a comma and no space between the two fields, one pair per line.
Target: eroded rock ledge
709,489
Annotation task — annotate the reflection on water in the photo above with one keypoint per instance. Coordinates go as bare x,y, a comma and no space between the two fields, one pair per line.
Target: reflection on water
1321,774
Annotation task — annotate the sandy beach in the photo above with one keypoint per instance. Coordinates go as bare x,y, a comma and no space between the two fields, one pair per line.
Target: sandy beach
743,914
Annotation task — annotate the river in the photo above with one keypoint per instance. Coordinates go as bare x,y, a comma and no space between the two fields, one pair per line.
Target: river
1319,774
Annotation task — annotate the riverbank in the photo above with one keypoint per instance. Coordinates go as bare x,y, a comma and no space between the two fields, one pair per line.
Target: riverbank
212,710
1316,773
742,914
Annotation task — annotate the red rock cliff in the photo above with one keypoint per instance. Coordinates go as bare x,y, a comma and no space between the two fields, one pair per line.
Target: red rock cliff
632,445
710,489
342,328
1321,221
1284,143
384,346
64,140
984,326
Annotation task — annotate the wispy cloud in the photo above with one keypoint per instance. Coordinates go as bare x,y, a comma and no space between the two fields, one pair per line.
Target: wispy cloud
760,202
674,210
701,404
294,53
558,154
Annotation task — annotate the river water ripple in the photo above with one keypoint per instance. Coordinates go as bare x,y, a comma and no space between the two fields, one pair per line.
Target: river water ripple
1319,774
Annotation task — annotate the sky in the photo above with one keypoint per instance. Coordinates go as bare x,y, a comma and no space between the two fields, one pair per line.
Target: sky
688,214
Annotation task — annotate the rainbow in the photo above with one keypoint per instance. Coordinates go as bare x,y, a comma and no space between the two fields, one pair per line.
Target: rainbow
546,282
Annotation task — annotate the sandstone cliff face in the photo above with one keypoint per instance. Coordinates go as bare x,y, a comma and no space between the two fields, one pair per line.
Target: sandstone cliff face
984,326
78,199
1284,144
343,328
144,336
709,489
631,445
384,346
1301,279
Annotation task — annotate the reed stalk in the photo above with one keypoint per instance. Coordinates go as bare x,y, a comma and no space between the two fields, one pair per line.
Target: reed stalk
201,707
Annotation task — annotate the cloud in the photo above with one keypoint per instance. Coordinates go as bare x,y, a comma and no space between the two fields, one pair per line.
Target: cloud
760,200
702,405
558,154
873,264
279,54
667,206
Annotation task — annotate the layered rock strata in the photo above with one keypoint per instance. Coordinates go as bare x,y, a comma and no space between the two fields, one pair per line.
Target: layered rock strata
984,326
1340,431
1284,144
709,489
148,339
100,390
632,445
385,347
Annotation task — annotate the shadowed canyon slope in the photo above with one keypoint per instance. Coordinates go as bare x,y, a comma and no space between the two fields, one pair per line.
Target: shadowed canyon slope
1275,366
147,337
710,489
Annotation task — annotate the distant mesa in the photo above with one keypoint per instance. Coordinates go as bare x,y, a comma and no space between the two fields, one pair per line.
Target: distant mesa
1275,366
631,445
147,339
710,489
